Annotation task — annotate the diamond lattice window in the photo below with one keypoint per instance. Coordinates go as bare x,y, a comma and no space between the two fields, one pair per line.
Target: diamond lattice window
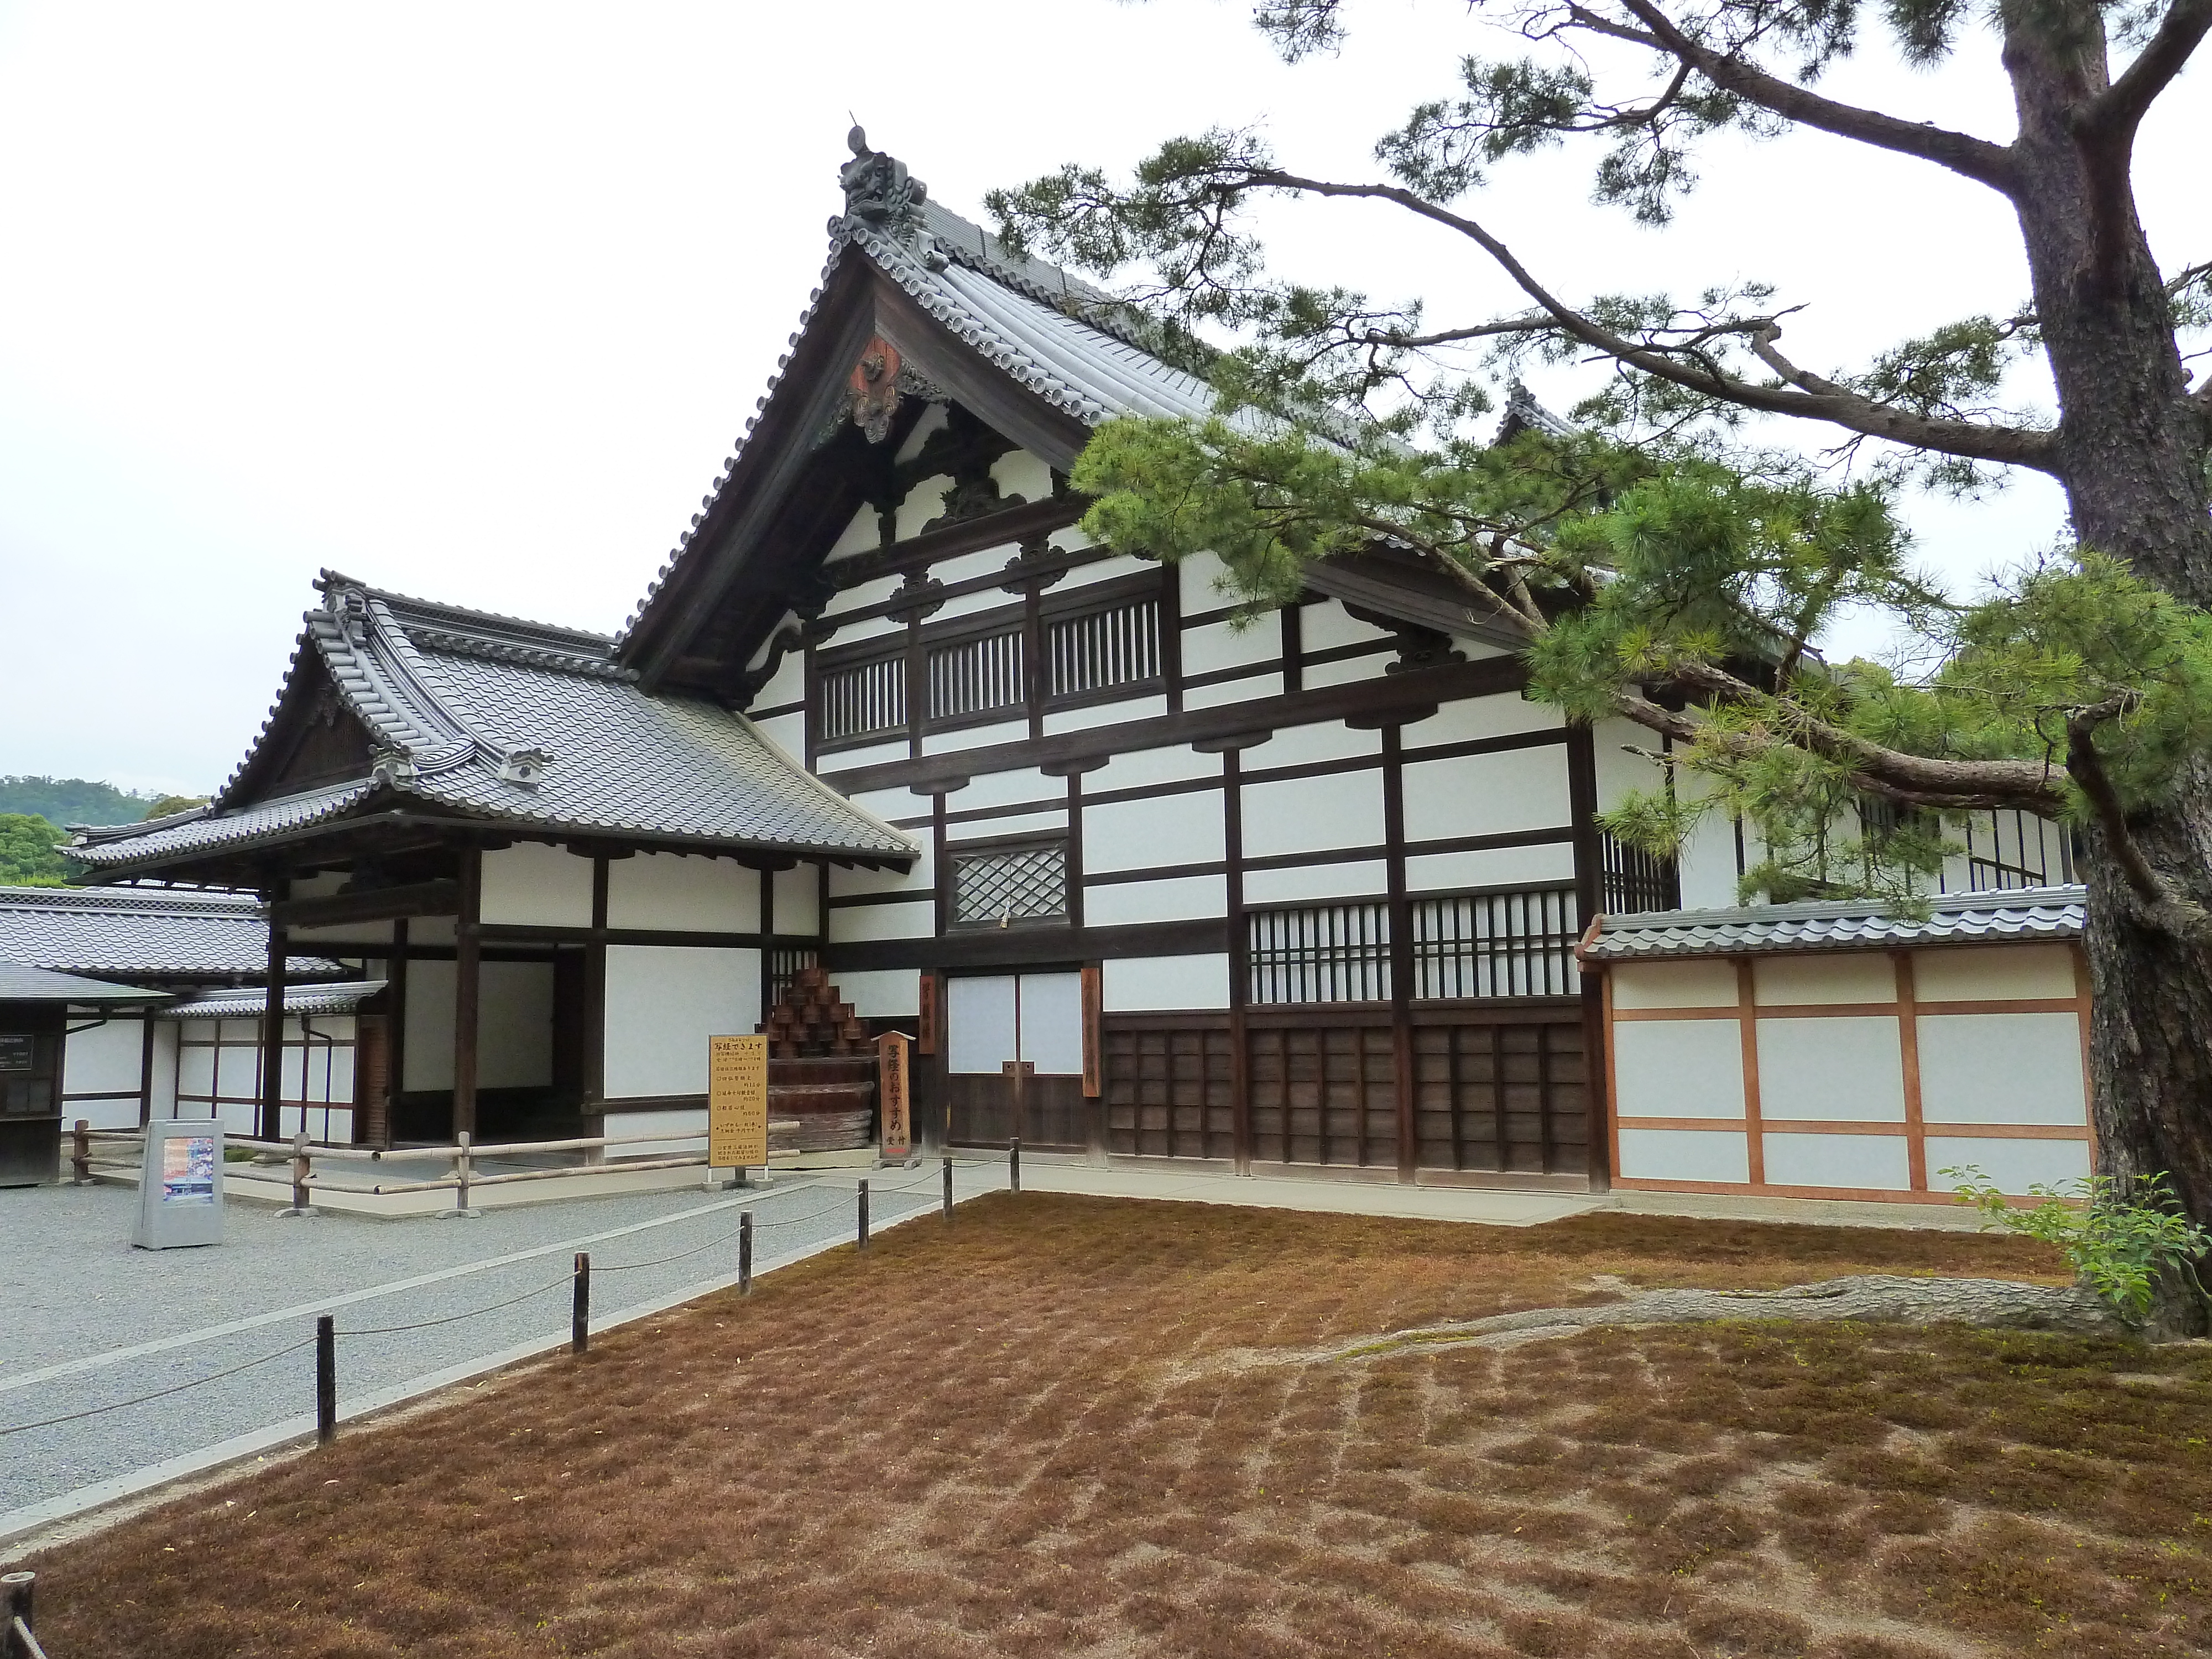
1008,885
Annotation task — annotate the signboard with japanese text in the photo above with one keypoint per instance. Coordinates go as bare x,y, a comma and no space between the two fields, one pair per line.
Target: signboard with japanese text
737,1103
891,1094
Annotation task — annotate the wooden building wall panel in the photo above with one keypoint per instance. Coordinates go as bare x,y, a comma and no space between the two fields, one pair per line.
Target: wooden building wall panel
1168,1091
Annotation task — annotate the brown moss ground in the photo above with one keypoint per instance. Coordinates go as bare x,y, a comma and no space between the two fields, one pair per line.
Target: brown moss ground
1006,1437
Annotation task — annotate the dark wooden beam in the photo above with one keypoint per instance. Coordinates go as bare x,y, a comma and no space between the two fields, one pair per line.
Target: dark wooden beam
395,975
422,898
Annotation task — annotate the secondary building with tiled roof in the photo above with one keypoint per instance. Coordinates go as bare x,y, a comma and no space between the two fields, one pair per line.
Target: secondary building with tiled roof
156,936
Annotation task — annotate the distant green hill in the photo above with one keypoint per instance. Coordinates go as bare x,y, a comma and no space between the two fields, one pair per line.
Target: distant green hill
72,800
28,858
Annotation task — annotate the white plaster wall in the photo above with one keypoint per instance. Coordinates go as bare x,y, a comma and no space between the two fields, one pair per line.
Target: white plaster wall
1023,474
798,898
682,894
1486,794
1253,689
430,930
2014,1165
915,918
1470,718
1620,773
1707,862
843,881
925,501
1879,1162
1829,977
1136,834
1106,570
1314,675
1313,815
1023,786
1307,745
1145,768
862,596
872,754
1146,984
1499,867
891,804
862,535
883,993
868,628
531,884
1182,898
1993,973
1679,1068
788,733
429,1060
974,737
1211,647
1363,878
164,1101
983,599
1327,625
355,933
1684,1155
692,1119
1699,984
663,1002
105,1057
2001,1068
1204,583
788,682
1094,715
1051,822
1838,1067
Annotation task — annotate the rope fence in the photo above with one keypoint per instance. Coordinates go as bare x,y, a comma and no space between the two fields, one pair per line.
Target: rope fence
327,1334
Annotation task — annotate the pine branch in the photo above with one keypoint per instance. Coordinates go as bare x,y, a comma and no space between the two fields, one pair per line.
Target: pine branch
2114,115
2008,445
2162,906
1961,153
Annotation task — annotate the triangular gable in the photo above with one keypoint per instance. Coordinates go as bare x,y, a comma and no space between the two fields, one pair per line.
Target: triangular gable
917,306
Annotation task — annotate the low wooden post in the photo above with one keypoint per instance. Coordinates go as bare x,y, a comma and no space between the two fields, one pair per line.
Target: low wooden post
1014,1160
746,1254
81,1152
15,1604
461,1167
863,1215
300,1169
948,1189
326,1380
580,1316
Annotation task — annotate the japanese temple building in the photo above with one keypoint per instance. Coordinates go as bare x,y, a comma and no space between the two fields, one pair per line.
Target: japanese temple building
1150,881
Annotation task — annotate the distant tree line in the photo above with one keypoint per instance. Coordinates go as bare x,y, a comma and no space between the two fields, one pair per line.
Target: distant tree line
33,810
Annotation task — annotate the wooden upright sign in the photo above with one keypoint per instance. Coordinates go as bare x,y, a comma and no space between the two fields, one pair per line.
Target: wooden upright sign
925,1042
891,1092
737,1103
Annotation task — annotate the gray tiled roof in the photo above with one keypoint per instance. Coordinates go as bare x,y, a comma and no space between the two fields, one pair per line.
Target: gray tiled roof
253,1000
148,933
21,983
2028,914
491,718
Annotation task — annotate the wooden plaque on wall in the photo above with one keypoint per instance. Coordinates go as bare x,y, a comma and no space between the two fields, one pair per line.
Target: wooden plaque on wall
737,1103
1093,1001
924,1041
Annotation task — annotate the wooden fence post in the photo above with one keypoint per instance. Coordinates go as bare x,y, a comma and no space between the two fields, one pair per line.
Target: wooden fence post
746,1254
326,1380
300,1171
81,1152
948,1189
863,1215
461,1166
15,1605
579,1318
1014,1160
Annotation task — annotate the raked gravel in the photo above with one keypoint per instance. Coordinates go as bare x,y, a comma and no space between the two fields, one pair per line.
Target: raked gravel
90,1321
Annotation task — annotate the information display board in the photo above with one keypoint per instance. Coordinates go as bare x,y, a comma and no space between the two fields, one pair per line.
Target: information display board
180,1184
737,1103
891,1075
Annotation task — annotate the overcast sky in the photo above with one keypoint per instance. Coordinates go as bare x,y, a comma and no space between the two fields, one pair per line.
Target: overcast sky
470,301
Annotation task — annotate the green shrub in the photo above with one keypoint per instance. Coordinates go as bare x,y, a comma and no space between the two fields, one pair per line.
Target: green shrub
2120,1236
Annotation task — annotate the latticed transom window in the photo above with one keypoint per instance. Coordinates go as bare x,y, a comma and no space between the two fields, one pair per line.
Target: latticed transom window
861,699
1006,886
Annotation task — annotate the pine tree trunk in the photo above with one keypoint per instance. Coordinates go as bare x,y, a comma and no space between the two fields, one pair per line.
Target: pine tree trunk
2132,460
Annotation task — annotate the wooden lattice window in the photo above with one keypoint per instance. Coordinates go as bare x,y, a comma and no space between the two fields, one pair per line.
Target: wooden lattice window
1003,885
1636,881
1105,647
1320,952
861,699
977,676
1518,942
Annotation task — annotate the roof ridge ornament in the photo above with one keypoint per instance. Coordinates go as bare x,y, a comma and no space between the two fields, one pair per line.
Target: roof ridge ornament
881,194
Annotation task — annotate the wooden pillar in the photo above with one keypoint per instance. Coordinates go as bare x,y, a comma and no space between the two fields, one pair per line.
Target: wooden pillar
1590,901
595,987
1908,1047
1240,964
272,1127
1401,950
146,1068
467,965
395,1041
1746,1014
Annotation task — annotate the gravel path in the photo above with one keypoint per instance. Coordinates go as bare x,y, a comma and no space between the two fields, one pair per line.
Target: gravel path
93,1323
